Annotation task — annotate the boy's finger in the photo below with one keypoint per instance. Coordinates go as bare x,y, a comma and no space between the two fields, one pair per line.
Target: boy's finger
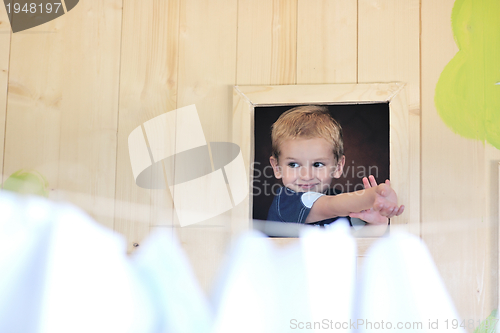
398,211
373,182
389,212
393,213
378,207
380,189
366,183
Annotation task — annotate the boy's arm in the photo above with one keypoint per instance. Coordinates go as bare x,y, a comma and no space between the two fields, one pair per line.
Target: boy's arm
381,197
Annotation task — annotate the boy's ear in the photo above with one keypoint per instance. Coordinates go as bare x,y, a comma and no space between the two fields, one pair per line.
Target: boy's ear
340,168
276,167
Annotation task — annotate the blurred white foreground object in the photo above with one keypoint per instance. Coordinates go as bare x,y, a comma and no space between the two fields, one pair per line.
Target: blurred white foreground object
268,289
62,272
248,295
179,304
401,290
330,262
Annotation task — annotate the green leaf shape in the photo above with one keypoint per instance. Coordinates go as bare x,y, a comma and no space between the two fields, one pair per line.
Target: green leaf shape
467,94
27,182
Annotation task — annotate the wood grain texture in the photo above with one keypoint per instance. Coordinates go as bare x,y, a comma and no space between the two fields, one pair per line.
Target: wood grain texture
327,41
389,50
5,37
320,94
284,47
399,144
148,88
243,125
63,101
388,44
207,72
458,196
255,42
267,42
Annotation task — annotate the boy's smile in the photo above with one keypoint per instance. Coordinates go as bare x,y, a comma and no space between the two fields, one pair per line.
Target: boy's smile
307,165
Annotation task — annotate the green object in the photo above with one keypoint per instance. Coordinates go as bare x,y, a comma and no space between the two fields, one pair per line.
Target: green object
467,94
489,325
27,182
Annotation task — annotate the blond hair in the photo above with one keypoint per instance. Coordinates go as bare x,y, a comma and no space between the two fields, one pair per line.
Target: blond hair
307,122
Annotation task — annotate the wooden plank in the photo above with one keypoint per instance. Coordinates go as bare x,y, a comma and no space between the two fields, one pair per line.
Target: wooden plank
283,242
63,101
267,42
5,36
389,50
148,88
284,50
400,157
255,40
327,41
207,72
457,173
243,125
436,206
388,44
320,94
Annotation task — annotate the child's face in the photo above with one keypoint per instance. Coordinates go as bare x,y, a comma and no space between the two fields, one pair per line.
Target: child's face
307,165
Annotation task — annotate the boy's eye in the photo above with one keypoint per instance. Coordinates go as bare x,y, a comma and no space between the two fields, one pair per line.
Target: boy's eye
318,164
293,165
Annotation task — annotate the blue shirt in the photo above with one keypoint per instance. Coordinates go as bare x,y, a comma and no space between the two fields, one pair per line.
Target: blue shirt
291,206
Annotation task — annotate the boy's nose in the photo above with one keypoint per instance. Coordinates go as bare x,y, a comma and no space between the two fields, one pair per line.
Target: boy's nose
306,173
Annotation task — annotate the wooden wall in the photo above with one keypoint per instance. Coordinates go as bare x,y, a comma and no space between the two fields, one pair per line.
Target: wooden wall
73,89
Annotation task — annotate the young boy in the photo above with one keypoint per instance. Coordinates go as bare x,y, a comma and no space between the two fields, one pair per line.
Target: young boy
308,153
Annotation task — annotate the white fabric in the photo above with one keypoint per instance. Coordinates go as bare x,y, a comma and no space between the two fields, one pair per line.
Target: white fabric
309,198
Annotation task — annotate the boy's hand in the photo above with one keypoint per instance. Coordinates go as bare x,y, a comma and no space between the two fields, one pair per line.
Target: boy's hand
386,202
385,205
